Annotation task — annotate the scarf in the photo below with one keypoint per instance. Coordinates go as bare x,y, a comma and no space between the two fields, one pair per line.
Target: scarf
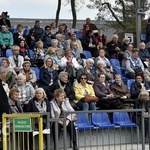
41,107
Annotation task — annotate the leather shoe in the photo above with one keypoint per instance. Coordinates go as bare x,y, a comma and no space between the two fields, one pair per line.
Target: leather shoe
75,147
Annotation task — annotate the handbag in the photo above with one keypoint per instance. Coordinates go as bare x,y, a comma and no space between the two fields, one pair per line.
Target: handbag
90,99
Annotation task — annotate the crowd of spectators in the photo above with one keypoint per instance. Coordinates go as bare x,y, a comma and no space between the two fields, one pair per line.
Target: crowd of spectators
65,75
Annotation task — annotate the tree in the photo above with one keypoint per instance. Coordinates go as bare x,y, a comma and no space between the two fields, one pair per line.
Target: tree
120,14
58,12
75,6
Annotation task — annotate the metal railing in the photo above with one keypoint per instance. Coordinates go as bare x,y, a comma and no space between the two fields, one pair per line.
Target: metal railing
99,137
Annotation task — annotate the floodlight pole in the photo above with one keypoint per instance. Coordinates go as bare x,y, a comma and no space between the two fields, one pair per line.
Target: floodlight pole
139,11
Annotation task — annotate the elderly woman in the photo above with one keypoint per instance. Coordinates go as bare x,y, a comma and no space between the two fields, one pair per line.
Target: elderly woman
10,73
29,73
101,69
39,54
87,70
76,41
58,105
105,61
14,103
26,90
51,52
104,93
144,54
16,60
59,51
127,54
83,89
70,64
48,74
64,84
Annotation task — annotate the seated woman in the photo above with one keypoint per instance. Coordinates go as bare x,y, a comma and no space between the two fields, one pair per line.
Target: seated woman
70,65
64,84
59,51
83,89
39,54
58,105
48,74
101,69
24,51
105,61
105,95
13,100
138,86
51,52
29,73
144,54
16,60
87,70
39,102
26,90
11,75
127,53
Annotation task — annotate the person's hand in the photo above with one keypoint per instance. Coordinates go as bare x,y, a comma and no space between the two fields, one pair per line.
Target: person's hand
117,48
60,122
124,97
67,98
67,122
3,47
26,57
110,96
143,89
26,102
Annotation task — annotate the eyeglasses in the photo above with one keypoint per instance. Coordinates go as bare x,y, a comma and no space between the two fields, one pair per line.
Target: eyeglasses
83,78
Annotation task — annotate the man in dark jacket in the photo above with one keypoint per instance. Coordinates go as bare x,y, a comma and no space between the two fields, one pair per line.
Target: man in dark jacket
4,106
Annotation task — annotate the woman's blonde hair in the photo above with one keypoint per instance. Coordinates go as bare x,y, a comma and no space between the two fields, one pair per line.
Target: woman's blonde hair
40,90
51,50
143,96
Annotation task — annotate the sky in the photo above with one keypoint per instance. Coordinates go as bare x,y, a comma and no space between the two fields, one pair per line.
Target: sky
45,9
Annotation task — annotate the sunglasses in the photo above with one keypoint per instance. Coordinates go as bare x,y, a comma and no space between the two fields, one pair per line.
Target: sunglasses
83,78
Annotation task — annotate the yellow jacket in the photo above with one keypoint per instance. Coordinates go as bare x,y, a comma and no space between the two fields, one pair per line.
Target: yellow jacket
79,91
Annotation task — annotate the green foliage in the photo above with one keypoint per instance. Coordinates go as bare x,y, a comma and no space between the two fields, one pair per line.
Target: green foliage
119,14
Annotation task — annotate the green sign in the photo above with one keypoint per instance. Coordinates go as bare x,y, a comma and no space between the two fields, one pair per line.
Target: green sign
22,124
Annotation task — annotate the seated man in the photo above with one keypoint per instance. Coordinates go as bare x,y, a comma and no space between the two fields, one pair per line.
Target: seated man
134,65
121,91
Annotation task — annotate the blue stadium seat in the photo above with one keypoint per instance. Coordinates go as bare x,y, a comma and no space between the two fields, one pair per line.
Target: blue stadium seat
37,72
118,69
1,60
143,37
122,119
26,31
101,120
129,82
9,53
79,34
31,54
83,123
87,54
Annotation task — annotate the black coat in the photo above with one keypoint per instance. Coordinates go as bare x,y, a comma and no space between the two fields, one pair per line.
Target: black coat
31,107
135,89
68,90
45,78
4,106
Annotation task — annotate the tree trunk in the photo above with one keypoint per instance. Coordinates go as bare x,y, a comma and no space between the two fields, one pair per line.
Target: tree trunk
73,9
58,12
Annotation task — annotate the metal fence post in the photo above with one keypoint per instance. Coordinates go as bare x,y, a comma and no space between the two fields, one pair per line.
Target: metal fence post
4,133
143,132
65,132
40,133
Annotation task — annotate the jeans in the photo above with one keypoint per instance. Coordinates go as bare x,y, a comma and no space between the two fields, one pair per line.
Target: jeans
86,106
